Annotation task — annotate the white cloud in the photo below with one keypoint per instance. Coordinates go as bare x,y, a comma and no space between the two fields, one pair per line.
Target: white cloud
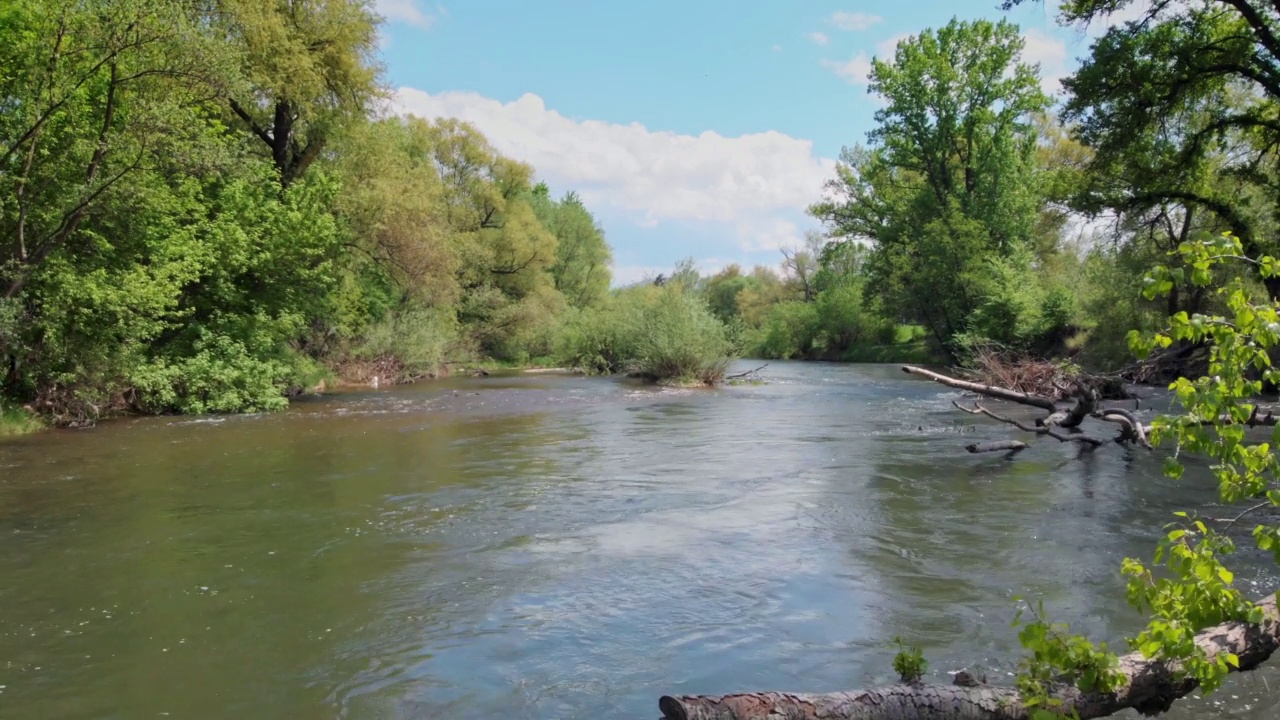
855,71
652,176
1051,53
770,235
819,38
407,12
854,20
888,47
777,47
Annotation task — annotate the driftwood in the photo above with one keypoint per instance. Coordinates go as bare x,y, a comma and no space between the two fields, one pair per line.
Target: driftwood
1040,401
1062,417
748,373
1041,429
1012,446
1150,687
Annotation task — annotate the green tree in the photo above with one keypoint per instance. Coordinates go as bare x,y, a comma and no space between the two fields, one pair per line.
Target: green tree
581,270
1179,106
949,179
308,69
92,94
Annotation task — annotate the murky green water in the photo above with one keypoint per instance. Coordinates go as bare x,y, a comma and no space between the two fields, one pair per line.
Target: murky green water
551,547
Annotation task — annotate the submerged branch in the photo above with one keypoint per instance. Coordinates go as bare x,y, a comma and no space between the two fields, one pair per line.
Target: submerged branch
1150,686
747,373
1045,429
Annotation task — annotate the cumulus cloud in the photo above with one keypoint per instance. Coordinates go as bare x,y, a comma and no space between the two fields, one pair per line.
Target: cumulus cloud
854,21
855,71
408,12
1051,53
651,176
819,38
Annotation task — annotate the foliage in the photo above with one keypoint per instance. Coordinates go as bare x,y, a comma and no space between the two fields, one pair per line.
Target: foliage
1194,589
909,663
17,421
199,212
659,333
949,178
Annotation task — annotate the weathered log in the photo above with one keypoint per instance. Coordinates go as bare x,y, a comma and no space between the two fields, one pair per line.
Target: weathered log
1000,393
1150,687
1134,430
1041,429
997,446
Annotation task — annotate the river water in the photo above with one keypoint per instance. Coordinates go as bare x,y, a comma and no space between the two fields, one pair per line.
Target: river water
545,546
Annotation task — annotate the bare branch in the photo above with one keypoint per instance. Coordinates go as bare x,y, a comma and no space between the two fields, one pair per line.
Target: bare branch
999,393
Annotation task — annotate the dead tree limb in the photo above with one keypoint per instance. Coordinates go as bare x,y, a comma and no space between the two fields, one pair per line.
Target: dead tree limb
1134,430
999,393
747,373
1044,429
1012,446
1150,687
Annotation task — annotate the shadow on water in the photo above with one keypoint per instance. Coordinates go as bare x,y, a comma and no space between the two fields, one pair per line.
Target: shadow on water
551,547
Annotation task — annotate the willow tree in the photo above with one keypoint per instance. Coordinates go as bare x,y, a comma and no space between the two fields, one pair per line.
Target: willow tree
308,69
947,181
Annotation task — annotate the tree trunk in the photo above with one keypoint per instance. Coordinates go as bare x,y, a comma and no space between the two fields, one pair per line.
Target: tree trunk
1151,686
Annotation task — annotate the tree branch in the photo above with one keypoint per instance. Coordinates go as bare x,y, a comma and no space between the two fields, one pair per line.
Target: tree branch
999,393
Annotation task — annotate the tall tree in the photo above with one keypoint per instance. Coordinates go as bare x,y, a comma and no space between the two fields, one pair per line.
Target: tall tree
948,181
309,68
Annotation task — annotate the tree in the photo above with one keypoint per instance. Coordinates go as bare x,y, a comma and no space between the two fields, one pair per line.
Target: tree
92,94
581,269
949,178
308,69
1182,101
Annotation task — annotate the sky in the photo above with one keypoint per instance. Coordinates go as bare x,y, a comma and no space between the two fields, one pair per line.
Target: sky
700,128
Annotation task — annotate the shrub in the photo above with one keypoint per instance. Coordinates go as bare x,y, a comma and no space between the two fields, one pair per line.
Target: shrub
658,333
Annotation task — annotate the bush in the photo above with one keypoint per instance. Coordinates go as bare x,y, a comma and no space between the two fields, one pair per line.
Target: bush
221,377
404,346
657,333
789,331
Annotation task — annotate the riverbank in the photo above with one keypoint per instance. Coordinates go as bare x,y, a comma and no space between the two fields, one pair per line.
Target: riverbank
17,421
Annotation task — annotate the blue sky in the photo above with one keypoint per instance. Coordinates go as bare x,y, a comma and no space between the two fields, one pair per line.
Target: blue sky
692,129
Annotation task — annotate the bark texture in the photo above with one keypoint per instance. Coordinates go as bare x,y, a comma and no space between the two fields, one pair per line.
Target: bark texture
1151,688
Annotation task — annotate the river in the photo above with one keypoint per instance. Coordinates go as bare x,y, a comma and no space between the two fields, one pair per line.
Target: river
548,546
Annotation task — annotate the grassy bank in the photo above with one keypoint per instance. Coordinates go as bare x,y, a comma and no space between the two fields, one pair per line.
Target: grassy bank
16,421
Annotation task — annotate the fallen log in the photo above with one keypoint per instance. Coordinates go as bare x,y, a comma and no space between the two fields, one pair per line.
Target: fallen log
997,446
1040,401
1150,687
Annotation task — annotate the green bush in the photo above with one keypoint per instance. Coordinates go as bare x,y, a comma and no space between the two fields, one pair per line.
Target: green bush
658,333
418,341
789,331
221,377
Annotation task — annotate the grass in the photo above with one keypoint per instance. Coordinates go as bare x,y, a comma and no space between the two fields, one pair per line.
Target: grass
16,421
